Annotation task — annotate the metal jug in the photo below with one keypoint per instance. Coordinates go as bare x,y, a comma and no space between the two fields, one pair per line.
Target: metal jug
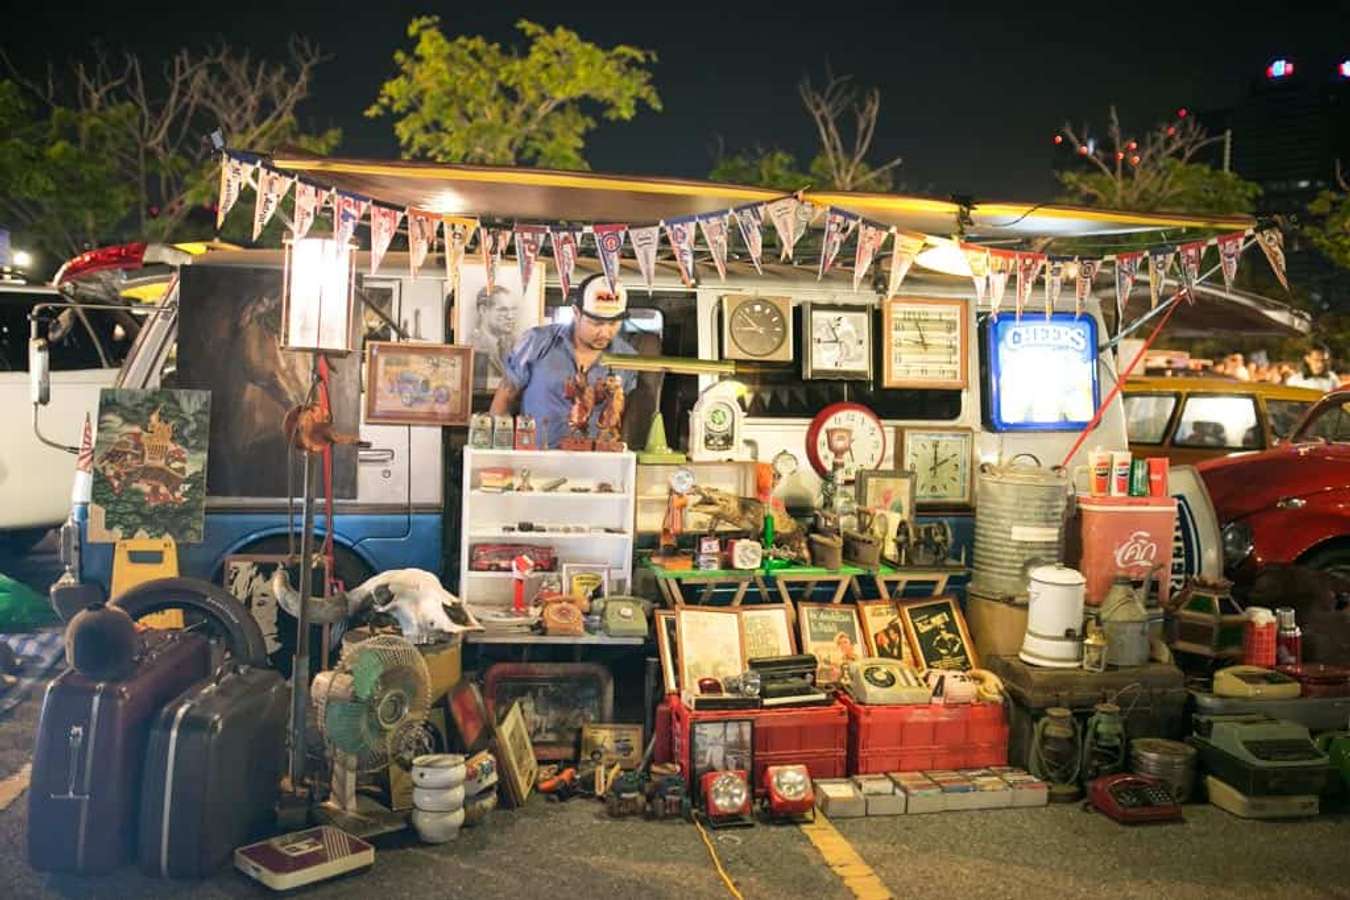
1020,512
1125,620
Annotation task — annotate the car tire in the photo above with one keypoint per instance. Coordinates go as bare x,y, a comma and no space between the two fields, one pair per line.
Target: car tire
227,616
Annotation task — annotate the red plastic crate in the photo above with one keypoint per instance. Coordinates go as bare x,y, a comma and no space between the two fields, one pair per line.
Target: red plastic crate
927,736
813,736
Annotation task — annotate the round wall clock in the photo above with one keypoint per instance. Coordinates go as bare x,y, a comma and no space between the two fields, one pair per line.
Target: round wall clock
757,328
849,432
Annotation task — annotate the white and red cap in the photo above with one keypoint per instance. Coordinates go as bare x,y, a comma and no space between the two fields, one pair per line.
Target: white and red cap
599,302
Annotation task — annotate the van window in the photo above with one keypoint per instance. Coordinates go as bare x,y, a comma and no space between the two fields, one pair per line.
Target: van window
1147,415
1229,422
1285,414
1332,425
14,334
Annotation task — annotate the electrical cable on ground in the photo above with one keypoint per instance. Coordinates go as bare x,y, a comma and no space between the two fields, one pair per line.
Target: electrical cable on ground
717,861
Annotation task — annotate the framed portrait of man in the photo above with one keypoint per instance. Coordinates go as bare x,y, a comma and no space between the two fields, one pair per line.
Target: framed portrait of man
492,322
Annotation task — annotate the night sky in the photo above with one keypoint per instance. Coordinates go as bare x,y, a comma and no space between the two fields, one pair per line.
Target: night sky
971,93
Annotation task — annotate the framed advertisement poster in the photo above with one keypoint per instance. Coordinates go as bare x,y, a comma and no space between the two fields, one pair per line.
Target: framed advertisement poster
937,634
832,633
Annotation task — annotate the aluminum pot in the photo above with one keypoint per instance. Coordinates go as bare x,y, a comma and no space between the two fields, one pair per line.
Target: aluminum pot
1054,636
1020,509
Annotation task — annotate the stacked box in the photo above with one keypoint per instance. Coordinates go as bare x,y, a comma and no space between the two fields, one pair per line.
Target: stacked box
994,792
958,791
839,798
1027,790
921,736
882,797
922,794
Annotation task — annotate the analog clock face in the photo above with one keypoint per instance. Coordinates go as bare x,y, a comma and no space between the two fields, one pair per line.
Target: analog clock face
926,344
682,480
784,464
719,420
840,341
847,432
941,462
758,327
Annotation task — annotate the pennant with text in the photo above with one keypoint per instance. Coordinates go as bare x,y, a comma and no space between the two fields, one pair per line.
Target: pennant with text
348,211
1002,263
783,215
234,174
1054,281
308,201
751,221
383,226
609,243
906,246
529,244
566,247
1190,254
1028,270
680,233
646,241
1087,273
1159,262
978,260
1230,250
272,188
422,228
870,238
492,243
1127,270
458,232
1272,245
838,226
714,228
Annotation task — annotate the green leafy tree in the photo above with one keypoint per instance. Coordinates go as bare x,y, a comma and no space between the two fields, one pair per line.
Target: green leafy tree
1328,228
773,168
471,100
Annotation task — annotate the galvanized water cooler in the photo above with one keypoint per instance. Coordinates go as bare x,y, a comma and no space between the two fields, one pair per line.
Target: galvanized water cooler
1019,519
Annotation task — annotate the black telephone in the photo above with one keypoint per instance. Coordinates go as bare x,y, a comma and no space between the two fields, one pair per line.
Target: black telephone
1132,799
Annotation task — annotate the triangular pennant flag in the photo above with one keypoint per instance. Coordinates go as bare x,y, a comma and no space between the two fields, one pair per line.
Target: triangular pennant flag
870,239
458,232
978,259
1272,245
715,234
347,214
422,228
783,215
1028,270
383,226
1127,269
646,241
84,465
566,247
1054,281
272,187
308,201
1159,262
805,213
838,226
751,220
906,246
529,244
1230,251
609,244
680,233
1002,263
1087,273
492,243
1191,253
233,175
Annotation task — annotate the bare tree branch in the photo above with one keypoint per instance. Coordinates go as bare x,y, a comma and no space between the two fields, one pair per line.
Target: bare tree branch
847,165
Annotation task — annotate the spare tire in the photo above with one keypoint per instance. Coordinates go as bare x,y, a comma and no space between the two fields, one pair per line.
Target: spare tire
230,619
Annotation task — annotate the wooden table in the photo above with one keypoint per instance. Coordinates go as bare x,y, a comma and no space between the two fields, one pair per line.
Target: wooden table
891,582
766,582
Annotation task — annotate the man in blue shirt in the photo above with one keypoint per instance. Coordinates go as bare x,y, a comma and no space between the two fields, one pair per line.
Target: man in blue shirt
549,356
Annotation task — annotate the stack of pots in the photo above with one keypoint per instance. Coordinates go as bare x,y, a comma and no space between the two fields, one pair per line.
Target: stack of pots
438,796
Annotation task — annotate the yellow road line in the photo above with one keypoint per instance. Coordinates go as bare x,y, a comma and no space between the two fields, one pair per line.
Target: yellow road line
844,861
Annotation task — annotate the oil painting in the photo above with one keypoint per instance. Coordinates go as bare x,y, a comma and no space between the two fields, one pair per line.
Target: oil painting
418,384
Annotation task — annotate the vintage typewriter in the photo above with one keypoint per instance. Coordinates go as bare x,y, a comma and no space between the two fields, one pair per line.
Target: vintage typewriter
1259,755
788,680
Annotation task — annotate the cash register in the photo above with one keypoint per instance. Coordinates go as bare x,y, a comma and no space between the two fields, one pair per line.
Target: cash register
1260,755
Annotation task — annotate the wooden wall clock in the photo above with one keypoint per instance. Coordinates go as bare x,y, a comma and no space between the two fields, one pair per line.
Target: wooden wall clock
758,328
925,343
849,430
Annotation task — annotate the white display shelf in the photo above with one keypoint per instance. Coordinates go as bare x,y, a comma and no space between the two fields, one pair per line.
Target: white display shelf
551,495
513,536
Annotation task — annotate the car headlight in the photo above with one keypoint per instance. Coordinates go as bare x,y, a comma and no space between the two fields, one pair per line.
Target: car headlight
791,782
1237,543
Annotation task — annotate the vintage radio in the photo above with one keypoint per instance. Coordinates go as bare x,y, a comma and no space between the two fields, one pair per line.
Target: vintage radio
1260,755
503,433
788,680
499,557
526,433
1206,621
886,681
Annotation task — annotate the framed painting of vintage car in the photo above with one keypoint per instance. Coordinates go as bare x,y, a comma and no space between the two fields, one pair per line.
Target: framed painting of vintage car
418,383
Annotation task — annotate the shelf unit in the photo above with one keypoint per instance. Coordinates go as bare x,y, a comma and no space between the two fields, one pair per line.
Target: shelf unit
484,514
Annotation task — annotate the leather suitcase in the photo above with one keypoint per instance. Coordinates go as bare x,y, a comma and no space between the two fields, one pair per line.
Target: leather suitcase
86,783
212,769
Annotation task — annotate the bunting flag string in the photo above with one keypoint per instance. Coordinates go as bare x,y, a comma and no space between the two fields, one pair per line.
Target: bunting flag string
838,226
1190,254
783,215
1002,263
646,241
1127,269
978,259
383,225
904,250
566,248
1087,273
529,244
272,187
458,232
1272,245
1028,270
1159,262
233,173
714,229
1054,281
348,211
1230,250
750,218
492,243
680,233
308,200
609,243
870,238
422,227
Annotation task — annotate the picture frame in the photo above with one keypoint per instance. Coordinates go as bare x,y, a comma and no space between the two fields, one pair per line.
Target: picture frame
413,383
719,745
949,366
884,632
766,631
667,648
933,487
515,755
709,644
594,581
248,578
470,716
937,634
836,341
492,325
556,699
888,489
833,633
622,744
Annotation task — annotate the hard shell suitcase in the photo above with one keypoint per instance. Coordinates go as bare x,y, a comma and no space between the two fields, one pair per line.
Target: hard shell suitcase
212,769
85,792
1152,698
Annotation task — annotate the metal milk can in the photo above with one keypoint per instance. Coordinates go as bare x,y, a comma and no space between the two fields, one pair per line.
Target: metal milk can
1125,621
1020,510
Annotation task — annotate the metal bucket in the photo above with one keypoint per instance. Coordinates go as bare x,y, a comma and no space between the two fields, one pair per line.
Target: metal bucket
1019,518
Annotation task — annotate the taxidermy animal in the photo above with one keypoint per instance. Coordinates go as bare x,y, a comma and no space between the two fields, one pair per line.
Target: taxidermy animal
425,611
747,514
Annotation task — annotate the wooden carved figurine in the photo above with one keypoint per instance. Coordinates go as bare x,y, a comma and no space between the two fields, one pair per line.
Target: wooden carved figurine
581,392
610,393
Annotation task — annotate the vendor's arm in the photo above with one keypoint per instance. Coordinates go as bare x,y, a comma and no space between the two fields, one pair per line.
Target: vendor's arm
515,375
505,399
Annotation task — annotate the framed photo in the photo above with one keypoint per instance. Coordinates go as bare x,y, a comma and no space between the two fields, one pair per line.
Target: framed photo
709,642
943,463
832,632
937,634
418,384
766,631
470,716
884,632
925,343
620,744
888,489
757,328
668,648
492,323
585,580
837,341
248,577
556,700
722,744
515,755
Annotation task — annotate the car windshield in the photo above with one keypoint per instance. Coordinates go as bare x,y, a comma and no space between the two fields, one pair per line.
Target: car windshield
1332,423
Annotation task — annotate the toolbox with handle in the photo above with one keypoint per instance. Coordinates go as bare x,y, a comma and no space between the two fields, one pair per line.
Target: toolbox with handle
1152,698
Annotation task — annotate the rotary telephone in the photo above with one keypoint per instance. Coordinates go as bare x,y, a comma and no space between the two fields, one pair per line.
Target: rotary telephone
1133,799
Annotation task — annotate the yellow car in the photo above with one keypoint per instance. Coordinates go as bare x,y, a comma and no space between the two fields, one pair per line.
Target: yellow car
1193,419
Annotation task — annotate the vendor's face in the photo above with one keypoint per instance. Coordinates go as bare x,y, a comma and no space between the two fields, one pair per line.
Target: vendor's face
595,334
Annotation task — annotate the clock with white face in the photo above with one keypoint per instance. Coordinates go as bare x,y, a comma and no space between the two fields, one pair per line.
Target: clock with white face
848,432
837,342
925,343
757,328
942,460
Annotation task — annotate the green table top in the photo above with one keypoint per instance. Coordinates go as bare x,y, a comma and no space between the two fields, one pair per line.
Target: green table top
845,572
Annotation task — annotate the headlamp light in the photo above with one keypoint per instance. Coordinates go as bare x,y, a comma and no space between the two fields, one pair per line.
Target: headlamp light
1237,544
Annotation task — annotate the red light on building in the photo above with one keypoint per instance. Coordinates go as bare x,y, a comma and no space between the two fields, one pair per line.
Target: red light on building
1280,68
1058,139
1182,113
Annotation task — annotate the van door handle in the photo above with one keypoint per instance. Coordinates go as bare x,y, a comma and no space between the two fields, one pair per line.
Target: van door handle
1291,503
375,456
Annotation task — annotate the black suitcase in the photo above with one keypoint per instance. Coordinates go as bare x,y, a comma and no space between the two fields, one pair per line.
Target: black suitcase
212,769
86,782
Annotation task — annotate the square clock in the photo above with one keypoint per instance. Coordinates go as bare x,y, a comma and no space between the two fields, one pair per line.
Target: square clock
758,328
943,463
837,341
925,343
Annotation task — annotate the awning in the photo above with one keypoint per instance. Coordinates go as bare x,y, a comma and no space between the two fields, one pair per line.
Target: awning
547,195
1216,311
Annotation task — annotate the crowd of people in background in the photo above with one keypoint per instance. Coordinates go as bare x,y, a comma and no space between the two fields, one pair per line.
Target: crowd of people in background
1315,371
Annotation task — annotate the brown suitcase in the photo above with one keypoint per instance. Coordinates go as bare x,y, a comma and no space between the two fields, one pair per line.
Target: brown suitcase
91,740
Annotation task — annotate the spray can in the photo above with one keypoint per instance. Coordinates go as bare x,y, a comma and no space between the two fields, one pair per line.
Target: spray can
1139,478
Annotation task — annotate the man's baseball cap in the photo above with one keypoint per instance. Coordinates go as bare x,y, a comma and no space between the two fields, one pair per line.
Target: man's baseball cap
599,302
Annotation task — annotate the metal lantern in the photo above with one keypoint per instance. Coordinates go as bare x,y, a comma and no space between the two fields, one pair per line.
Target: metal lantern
319,283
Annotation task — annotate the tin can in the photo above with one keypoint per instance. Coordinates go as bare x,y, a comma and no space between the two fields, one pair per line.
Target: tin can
1120,473
1099,465
1139,478
1157,476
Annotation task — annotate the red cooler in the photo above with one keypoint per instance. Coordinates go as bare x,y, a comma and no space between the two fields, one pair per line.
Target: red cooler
1128,535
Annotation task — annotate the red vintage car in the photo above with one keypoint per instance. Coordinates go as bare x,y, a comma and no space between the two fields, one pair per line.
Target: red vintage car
1291,503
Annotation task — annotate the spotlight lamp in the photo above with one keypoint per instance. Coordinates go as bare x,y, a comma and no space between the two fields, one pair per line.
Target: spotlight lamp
790,791
726,797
